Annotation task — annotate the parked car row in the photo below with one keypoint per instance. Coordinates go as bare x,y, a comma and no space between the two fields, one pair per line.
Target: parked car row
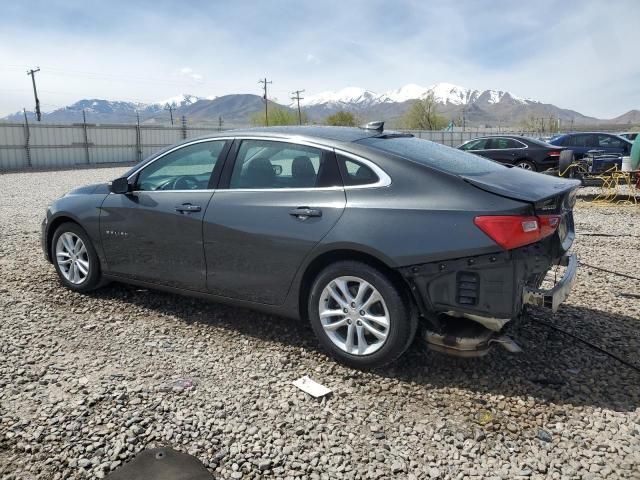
523,152
537,155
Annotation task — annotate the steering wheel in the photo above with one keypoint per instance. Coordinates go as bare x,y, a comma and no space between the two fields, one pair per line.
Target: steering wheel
186,182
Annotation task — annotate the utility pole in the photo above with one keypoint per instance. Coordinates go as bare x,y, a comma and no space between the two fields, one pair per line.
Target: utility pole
266,102
297,98
220,123
170,108
32,72
138,137
27,134
464,120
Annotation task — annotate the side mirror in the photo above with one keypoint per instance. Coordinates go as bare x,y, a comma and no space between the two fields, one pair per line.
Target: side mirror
120,185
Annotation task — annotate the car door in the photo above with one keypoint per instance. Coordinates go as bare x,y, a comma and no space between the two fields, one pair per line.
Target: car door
506,150
154,233
581,143
274,204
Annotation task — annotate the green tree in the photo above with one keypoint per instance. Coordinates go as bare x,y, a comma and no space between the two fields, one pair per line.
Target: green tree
423,115
278,116
342,119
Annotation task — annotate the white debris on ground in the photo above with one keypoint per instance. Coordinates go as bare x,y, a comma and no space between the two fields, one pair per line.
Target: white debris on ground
86,381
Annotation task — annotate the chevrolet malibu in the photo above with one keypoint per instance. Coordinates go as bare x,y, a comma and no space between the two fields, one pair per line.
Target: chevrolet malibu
367,234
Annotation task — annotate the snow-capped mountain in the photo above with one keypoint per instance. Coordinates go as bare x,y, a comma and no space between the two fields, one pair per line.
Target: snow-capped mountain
478,107
181,100
452,101
443,93
345,96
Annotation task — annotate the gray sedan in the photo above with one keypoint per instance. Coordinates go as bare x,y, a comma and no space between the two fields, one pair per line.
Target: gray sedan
364,233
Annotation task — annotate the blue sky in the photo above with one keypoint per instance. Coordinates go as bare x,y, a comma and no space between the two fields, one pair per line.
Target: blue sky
575,54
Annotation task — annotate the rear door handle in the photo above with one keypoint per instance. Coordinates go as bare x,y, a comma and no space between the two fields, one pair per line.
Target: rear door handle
187,207
305,212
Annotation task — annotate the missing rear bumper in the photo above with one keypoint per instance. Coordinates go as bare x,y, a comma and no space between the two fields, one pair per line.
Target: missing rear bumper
553,297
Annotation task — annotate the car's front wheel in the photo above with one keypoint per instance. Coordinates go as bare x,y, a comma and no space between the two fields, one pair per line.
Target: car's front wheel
359,316
74,258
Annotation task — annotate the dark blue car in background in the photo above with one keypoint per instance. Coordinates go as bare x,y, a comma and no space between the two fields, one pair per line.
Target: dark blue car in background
583,142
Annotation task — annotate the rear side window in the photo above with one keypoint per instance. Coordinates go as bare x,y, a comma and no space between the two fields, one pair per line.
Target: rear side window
356,173
607,141
434,155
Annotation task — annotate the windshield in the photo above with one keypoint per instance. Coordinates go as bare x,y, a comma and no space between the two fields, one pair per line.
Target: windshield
434,155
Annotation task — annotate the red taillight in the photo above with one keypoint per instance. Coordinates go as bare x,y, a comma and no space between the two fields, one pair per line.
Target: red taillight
513,231
554,153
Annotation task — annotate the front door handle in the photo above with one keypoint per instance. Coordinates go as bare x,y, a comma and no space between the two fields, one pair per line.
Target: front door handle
305,212
187,208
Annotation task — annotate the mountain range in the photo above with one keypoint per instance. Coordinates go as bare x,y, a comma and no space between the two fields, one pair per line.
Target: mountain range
478,107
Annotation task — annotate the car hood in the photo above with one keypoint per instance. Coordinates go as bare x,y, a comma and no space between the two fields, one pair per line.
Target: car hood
89,189
519,184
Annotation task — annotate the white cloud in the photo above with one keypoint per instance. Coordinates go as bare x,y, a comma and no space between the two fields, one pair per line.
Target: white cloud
311,58
189,73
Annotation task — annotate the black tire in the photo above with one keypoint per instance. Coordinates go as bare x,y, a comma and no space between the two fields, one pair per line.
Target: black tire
526,164
92,280
402,320
564,163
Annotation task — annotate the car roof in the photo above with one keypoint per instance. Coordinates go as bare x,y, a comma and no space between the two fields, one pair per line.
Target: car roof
522,138
320,135
594,133
334,134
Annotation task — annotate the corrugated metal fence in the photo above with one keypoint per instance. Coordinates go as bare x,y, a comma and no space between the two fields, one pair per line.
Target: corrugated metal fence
53,146
66,146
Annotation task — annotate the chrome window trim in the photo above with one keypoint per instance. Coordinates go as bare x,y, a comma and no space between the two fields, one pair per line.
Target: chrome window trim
301,189
383,179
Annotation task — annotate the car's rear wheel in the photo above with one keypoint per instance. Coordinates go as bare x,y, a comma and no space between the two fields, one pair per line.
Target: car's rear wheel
526,165
74,258
359,316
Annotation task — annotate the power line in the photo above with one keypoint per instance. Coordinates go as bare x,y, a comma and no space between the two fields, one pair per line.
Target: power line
297,98
266,101
32,72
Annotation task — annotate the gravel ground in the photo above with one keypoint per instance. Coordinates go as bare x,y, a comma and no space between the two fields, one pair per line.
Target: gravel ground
86,381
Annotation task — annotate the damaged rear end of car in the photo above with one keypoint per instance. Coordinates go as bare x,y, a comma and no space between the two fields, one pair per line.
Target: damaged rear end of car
470,302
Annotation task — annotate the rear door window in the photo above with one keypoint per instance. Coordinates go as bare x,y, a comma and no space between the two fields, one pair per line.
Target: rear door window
434,155
479,144
266,164
504,143
583,140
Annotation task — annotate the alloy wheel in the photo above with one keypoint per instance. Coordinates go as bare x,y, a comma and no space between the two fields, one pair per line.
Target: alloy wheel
72,258
524,165
354,315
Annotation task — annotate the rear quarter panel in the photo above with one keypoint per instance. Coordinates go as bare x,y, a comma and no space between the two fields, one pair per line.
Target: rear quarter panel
423,216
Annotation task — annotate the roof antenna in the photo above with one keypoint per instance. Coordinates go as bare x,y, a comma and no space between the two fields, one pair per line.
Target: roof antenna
378,126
